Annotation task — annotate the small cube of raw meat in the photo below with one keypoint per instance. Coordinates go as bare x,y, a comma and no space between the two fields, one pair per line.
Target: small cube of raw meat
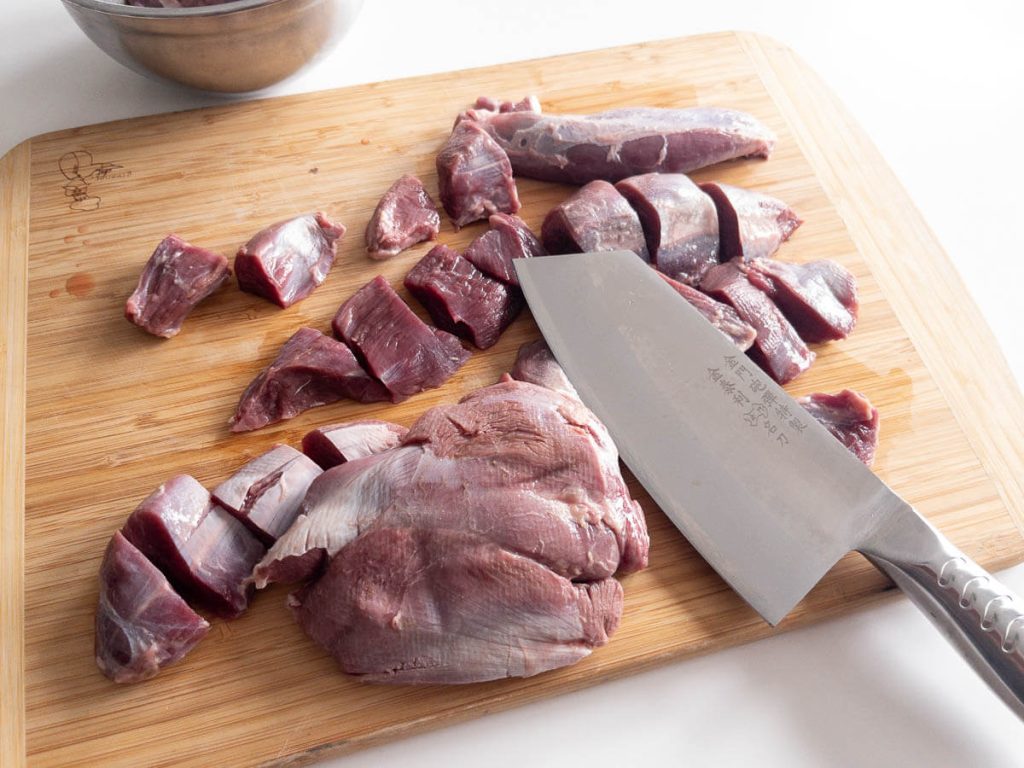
265,494
819,298
596,218
474,176
176,278
204,551
404,216
751,225
285,262
405,354
142,624
508,238
337,443
535,364
720,315
461,298
310,370
849,417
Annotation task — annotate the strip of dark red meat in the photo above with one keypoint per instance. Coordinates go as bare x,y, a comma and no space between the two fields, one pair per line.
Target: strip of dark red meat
596,218
474,176
535,364
719,314
177,277
337,443
204,551
405,354
508,239
404,216
142,624
287,261
751,225
265,494
819,298
310,370
461,299
850,417
679,222
778,348
612,145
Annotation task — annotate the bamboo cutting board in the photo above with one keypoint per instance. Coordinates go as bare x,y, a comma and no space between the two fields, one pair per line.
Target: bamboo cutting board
107,413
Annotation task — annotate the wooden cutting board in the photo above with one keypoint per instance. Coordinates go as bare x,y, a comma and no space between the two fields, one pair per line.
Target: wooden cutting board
109,412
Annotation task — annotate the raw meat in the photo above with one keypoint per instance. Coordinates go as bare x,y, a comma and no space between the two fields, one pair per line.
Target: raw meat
474,176
205,552
265,493
528,104
778,349
142,625
595,218
750,225
819,298
285,262
337,443
850,417
621,142
310,370
679,222
404,216
407,605
176,278
404,353
508,238
461,299
720,315
536,364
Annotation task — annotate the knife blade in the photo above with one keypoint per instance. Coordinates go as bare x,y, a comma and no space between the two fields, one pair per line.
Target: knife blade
761,490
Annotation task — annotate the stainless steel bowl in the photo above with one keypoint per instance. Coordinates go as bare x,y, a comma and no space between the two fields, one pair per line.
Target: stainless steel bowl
236,47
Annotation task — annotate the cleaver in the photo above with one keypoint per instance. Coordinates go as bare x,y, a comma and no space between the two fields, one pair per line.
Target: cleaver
766,495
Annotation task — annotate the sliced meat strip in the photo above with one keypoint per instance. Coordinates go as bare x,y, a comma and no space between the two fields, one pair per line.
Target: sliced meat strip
508,239
404,216
337,443
596,218
719,314
142,625
679,222
850,417
778,348
204,551
405,354
176,278
461,299
751,225
474,176
310,370
819,298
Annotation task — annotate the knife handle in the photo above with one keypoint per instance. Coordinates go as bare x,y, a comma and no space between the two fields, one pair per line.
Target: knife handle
982,618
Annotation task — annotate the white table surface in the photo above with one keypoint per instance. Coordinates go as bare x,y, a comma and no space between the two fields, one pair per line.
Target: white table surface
939,88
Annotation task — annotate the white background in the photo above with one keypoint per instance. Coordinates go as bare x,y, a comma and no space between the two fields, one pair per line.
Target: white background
939,87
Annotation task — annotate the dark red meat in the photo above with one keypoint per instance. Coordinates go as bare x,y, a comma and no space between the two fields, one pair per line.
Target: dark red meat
778,348
404,216
285,262
850,417
461,299
176,278
596,218
337,443
404,353
310,370
720,315
750,225
508,238
474,176
204,551
142,625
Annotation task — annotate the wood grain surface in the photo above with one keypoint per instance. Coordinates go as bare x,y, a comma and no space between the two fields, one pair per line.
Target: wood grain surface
111,412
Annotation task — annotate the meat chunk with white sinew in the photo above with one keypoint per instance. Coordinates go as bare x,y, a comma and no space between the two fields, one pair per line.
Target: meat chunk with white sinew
751,225
461,299
310,370
596,218
512,502
204,551
404,216
265,494
719,314
177,277
142,624
287,261
850,417
405,354
612,145
508,239
474,176
679,222
337,443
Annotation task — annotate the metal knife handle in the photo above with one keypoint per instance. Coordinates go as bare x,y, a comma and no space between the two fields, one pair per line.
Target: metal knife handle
982,618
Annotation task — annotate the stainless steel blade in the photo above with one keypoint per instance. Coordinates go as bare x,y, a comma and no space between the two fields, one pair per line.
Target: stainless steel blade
767,496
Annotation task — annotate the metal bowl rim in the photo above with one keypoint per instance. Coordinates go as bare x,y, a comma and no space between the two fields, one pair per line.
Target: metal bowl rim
113,8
